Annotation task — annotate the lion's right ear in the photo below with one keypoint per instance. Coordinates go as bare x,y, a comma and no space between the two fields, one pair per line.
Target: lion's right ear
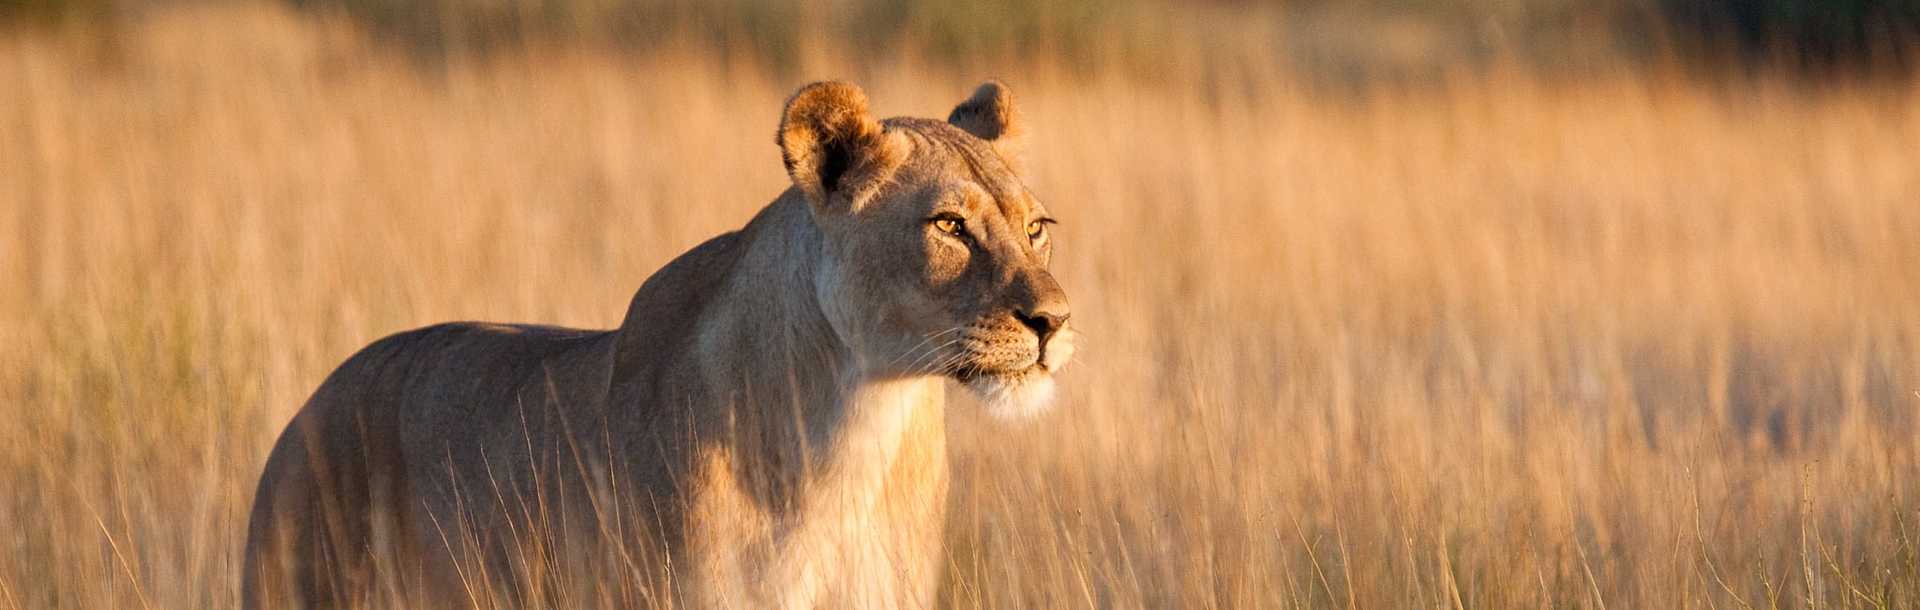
831,145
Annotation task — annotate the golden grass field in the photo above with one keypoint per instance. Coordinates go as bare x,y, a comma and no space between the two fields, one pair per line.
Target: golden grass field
1499,340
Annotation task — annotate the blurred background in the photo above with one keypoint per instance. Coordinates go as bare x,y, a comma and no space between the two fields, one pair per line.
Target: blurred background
1386,303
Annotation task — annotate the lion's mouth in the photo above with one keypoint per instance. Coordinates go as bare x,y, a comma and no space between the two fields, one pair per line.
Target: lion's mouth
1020,386
968,374
989,363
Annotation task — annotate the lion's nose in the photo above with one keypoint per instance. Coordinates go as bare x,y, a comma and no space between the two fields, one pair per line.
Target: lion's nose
1045,320
1040,304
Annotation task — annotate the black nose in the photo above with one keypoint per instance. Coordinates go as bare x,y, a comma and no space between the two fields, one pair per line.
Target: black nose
1044,322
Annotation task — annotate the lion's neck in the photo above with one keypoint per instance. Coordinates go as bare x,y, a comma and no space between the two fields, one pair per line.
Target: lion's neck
837,469
730,339
765,344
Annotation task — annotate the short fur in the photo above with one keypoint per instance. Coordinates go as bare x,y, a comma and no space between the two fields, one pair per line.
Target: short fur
771,408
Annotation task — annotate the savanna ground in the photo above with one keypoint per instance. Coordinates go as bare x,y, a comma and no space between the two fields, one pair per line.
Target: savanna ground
1491,340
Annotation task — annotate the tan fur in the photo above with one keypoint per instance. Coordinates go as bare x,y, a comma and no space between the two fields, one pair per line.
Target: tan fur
990,114
766,428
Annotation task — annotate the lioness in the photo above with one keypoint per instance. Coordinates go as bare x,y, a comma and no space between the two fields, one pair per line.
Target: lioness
770,412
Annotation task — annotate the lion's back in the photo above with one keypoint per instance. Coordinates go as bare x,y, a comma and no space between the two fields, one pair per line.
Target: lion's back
425,385
409,416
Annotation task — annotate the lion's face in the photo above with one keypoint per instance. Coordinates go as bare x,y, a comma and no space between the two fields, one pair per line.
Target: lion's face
936,253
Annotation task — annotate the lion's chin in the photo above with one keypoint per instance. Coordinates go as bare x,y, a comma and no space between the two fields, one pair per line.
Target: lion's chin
1015,396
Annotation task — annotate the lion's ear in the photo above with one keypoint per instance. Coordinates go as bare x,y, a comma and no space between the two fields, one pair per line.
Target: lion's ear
831,145
989,115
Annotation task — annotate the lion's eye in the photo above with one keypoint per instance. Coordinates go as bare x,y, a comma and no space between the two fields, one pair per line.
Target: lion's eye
1035,228
950,226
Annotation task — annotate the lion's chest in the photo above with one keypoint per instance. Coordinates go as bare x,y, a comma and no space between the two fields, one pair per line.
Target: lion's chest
865,524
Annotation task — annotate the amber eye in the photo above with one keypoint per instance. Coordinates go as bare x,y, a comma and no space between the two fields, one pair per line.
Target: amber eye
950,226
1035,229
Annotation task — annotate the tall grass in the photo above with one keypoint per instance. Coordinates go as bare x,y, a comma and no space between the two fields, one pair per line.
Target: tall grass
1495,341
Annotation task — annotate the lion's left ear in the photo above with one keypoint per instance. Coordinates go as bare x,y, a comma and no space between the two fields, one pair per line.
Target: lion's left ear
989,115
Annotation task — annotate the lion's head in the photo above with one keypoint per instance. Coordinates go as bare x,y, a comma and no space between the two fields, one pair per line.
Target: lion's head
935,253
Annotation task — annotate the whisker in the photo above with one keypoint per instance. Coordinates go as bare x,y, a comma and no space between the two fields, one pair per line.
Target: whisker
923,341
945,362
929,353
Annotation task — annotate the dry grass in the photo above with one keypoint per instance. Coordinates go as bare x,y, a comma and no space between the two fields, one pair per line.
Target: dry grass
1629,342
